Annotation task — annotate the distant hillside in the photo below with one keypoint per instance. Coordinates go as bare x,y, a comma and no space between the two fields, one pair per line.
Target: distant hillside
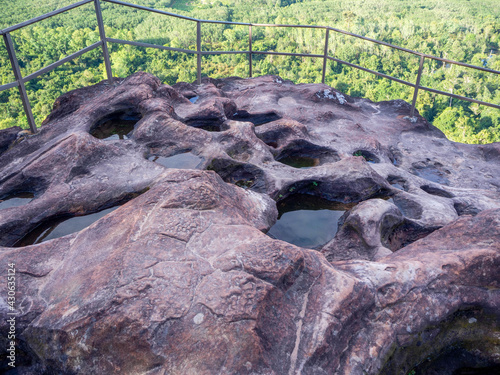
467,31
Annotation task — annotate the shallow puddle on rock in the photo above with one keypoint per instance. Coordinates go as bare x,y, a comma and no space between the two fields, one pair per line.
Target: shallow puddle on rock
432,174
300,161
61,227
16,200
398,186
186,160
307,221
115,129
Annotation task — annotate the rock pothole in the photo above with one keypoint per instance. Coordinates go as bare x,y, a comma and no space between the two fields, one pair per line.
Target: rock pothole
255,118
404,234
208,124
303,154
59,227
436,191
397,182
185,160
116,126
463,343
241,174
434,172
367,155
307,221
16,200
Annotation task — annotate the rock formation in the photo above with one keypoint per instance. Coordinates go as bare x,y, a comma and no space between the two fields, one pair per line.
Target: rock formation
180,276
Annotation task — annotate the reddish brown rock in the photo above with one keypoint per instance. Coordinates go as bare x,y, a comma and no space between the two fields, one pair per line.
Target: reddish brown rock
181,278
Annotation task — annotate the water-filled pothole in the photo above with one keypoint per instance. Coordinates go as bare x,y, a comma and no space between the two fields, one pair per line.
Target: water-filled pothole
307,221
60,227
367,155
300,161
397,182
398,186
241,174
208,124
16,200
116,126
303,154
186,160
255,118
434,173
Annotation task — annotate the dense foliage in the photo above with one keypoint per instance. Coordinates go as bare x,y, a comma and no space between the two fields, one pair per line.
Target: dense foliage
461,30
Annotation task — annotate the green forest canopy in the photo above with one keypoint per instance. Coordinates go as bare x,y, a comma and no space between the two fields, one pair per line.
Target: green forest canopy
461,30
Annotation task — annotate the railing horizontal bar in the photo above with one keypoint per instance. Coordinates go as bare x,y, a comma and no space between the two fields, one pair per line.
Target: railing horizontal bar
459,97
462,64
226,22
148,45
150,9
44,16
9,86
52,66
285,25
372,71
375,41
415,52
263,24
286,54
224,52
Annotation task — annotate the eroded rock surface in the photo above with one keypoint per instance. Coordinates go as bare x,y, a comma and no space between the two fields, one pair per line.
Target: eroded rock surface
181,277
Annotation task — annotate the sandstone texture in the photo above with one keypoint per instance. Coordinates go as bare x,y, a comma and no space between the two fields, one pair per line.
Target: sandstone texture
181,278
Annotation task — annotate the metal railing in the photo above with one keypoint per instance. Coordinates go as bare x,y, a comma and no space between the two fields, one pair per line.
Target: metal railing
20,80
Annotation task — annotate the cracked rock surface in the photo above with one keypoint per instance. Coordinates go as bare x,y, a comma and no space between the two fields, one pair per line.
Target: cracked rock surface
178,276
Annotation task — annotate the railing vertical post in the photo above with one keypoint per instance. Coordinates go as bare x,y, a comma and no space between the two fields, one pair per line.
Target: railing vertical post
326,54
104,41
198,50
19,78
250,51
417,85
